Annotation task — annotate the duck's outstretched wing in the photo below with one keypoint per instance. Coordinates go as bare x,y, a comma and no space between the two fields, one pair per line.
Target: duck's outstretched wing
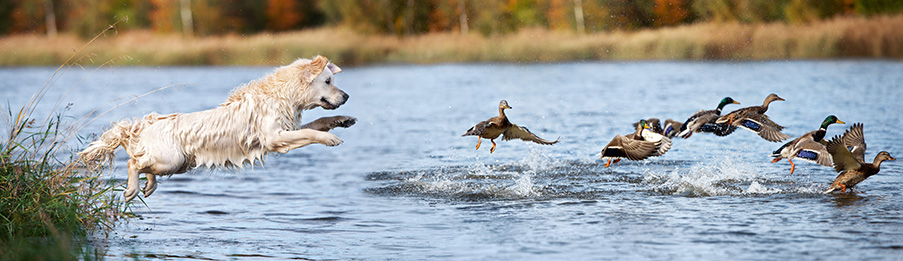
632,149
662,143
761,125
718,129
696,121
854,140
813,151
842,157
518,132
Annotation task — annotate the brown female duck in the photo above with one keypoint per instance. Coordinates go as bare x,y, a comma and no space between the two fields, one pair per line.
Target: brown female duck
498,126
849,163
754,119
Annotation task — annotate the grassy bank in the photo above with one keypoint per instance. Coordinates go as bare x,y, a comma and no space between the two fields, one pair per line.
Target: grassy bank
46,205
843,37
50,203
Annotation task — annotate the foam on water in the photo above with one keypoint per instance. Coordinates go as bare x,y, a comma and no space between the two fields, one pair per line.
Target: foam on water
757,188
718,176
481,180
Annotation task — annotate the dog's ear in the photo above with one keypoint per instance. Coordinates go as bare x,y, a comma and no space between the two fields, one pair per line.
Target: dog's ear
318,64
334,68
314,68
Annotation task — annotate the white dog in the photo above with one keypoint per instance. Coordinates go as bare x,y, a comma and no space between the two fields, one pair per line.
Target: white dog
259,117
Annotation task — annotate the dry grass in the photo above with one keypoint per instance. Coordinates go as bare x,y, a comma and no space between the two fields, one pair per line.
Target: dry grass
842,37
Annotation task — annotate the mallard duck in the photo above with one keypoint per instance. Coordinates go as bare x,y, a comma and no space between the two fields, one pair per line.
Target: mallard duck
809,146
704,120
636,146
754,119
849,163
499,125
671,128
653,123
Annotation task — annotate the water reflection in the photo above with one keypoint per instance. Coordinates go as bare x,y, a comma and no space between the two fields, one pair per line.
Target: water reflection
842,200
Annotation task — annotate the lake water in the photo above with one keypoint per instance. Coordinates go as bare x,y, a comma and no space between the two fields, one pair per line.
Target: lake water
406,185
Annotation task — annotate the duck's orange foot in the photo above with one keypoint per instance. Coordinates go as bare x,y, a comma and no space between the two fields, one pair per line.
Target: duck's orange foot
792,166
731,121
608,163
479,141
843,188
775,160
493,147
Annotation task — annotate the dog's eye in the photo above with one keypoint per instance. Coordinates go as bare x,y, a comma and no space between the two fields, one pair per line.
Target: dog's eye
328,80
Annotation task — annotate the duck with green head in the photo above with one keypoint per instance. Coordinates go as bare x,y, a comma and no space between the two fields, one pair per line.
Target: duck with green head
809,146
669,129
704,120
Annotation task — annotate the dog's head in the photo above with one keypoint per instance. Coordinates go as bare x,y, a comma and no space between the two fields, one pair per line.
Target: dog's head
321,89
305,84
324,90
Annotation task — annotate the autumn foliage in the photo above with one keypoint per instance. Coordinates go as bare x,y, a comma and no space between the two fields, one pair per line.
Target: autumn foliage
414,17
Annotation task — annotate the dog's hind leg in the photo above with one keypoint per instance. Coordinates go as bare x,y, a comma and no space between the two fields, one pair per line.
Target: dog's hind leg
132,189
151,184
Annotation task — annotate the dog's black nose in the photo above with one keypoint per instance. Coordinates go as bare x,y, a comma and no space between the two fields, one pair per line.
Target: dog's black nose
345,96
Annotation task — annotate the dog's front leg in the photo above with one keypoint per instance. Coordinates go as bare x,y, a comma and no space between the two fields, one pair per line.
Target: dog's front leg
289,140
329,123
132,189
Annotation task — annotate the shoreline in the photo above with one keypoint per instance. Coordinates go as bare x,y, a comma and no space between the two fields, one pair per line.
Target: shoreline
842,38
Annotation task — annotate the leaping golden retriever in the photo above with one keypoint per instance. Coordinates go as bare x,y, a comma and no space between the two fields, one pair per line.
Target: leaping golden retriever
260,117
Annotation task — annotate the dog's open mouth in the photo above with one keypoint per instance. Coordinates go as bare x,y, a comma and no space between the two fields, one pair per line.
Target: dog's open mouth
328,105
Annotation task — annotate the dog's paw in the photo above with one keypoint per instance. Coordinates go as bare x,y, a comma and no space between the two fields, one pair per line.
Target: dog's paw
130,194
149,188
330,139
329,123
344,121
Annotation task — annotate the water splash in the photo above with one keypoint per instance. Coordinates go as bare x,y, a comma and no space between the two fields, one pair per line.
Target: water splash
524,186
716,177
475,181
758,188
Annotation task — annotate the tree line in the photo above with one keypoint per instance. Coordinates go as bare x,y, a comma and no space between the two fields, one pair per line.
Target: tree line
411,17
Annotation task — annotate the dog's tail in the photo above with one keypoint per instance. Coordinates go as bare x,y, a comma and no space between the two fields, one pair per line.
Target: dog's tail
102,150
